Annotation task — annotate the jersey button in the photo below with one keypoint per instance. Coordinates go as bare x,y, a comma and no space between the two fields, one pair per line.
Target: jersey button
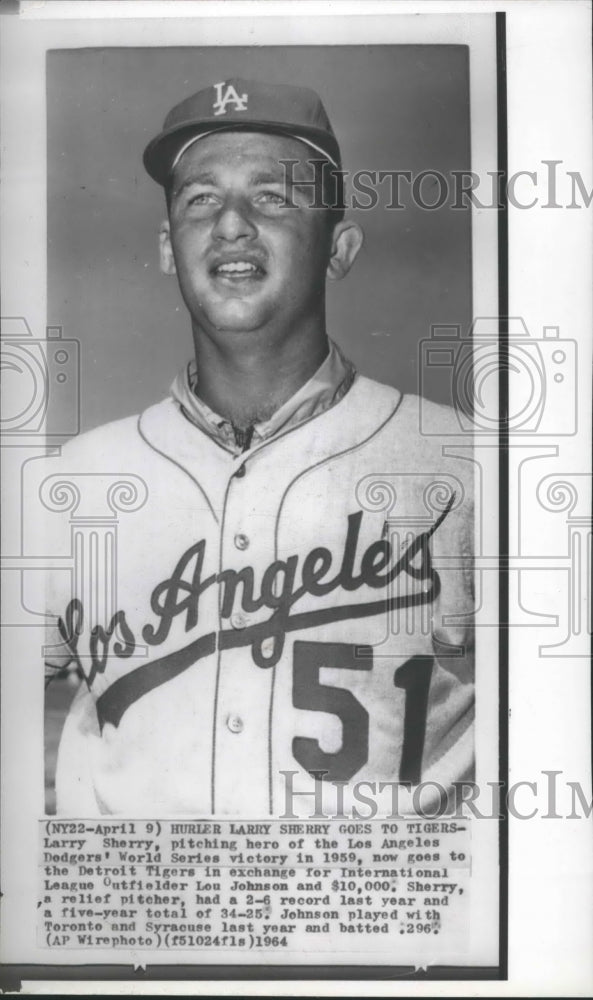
239,620
235,723
241,541
268,646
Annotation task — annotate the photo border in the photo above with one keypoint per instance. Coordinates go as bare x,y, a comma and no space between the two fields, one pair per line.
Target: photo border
12,975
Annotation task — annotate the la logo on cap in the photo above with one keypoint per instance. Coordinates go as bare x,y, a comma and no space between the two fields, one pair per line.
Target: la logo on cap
228,96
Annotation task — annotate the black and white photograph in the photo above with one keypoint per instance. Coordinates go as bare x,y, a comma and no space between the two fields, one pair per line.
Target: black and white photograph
268,397
307,601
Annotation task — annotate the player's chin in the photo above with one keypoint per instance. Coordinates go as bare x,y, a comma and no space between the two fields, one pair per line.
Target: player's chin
237,315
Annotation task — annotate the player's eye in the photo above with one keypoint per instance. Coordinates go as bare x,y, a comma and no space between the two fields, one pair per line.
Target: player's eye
274,198
202,198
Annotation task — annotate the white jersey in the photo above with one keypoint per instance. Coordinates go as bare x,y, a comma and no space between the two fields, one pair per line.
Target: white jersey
298,613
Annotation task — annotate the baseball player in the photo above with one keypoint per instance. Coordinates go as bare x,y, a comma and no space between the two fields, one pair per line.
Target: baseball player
286,602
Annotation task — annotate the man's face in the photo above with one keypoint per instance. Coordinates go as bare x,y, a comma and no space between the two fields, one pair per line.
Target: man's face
247,251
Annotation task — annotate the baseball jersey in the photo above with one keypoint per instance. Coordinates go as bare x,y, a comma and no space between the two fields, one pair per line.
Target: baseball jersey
299,613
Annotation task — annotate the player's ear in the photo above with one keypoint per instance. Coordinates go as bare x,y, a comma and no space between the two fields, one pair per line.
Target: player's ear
347,239
167,260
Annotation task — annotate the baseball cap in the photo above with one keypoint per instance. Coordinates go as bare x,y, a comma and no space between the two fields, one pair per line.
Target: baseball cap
241,104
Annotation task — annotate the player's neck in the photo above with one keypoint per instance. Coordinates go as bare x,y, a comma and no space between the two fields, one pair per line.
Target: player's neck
247,377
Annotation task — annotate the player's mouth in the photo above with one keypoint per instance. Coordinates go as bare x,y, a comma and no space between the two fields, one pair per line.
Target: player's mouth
238,270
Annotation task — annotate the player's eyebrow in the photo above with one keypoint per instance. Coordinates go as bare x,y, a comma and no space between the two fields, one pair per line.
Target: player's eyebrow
285,180
280,178
270,177
284,176
202,178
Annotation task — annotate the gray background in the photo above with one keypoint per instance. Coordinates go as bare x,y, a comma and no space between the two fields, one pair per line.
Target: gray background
392,107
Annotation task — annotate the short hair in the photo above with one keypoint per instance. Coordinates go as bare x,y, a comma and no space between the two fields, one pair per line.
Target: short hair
329,190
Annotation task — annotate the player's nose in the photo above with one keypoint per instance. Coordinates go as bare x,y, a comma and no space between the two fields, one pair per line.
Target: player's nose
234,221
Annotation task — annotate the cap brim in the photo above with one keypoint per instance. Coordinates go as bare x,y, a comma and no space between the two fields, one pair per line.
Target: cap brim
163,151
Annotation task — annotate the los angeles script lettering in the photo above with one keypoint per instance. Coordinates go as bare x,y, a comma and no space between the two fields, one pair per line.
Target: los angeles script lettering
279,592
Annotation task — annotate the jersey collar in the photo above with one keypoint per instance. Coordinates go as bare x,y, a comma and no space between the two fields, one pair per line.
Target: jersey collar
324,389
